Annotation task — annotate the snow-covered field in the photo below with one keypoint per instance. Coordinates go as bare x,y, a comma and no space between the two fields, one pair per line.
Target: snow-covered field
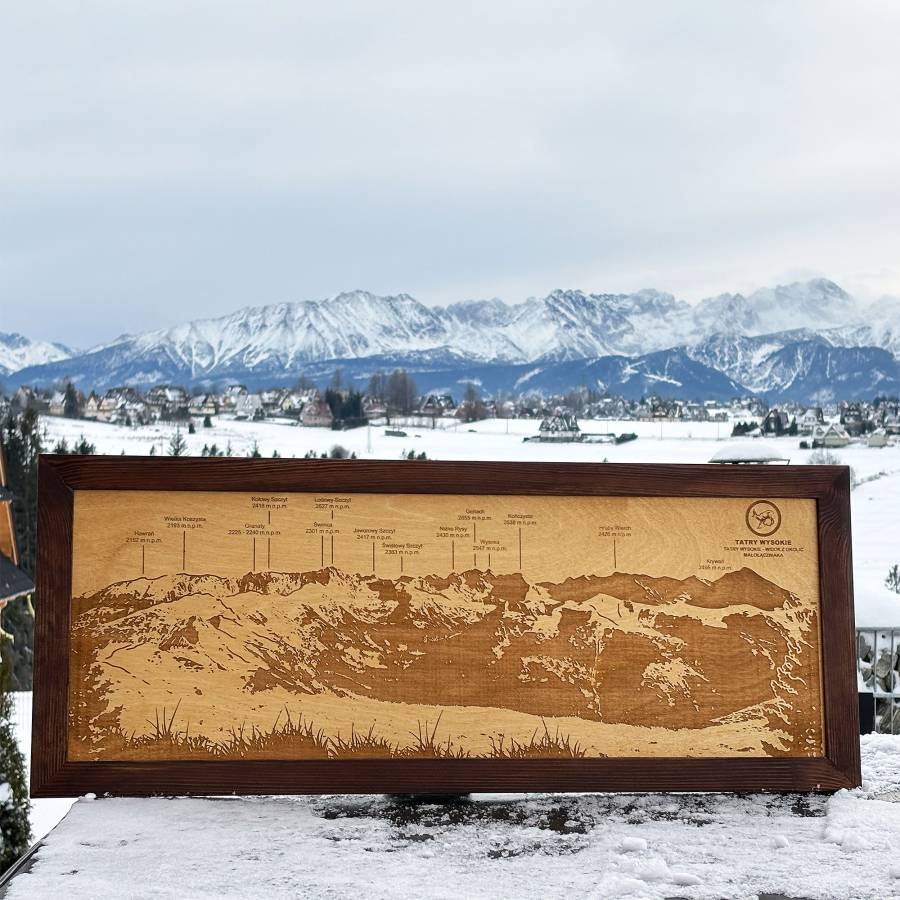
555,847
875,506
698,846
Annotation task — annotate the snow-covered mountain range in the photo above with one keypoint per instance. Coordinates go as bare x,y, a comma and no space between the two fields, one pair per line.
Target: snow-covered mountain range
810,341
17,352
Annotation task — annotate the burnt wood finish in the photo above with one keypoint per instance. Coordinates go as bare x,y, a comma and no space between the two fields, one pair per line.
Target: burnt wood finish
53,775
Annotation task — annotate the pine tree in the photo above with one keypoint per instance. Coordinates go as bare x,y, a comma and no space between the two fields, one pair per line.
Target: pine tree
84,448
70,403
178,445
15,828
892,582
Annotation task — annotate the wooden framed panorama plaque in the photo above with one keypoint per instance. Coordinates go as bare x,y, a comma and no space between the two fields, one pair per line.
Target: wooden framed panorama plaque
305,626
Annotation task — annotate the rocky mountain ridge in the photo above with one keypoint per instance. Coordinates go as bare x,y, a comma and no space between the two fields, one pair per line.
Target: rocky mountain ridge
18,352
560,335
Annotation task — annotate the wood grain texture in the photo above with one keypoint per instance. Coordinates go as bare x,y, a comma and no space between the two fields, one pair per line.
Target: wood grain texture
52,626
435,477
444,776
841,701
53,774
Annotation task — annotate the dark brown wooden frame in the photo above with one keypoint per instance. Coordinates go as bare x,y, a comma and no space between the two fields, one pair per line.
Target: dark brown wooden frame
53,775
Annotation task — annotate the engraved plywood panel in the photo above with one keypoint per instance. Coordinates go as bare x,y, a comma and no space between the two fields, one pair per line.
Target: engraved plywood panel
321,626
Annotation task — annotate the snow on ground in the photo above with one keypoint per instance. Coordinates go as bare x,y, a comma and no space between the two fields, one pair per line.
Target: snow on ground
556,847
875,510
44,813
875,504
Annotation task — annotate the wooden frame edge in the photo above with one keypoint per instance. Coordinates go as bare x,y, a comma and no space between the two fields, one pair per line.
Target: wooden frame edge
53,775
268,777
52,626
837,634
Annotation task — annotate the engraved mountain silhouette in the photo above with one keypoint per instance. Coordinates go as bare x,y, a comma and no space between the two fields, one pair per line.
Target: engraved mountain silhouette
624,648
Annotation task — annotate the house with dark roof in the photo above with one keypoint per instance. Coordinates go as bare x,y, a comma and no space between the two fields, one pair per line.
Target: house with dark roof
316,414
560,428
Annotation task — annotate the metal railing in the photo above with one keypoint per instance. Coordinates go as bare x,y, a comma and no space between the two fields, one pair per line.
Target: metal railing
878,668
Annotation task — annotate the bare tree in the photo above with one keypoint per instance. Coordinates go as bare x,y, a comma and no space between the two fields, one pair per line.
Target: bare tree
401,392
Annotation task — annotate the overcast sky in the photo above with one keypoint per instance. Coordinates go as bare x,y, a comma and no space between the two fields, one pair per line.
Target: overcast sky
164,161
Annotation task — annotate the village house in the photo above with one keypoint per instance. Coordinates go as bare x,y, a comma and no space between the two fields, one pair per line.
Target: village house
290,405
561,429
642,412
249,406
57,405
890,417
271,401
228,400
92,406
830,436
107,408
167,402
136,412
809,419
777,421
114,407
748,407
27,397
695,412
853,418
316,414
436,406
204,405
373,408
618,408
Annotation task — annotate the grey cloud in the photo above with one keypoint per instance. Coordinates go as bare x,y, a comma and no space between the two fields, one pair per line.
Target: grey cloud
170,161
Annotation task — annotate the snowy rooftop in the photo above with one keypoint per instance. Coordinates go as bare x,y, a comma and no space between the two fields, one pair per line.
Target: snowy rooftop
487,846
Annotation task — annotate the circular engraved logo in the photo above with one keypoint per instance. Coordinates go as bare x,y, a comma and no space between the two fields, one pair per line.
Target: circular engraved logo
763,518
